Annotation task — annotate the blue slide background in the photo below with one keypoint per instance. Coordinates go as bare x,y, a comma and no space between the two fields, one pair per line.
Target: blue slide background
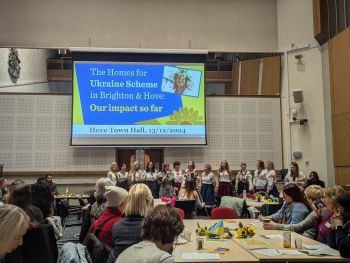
170,103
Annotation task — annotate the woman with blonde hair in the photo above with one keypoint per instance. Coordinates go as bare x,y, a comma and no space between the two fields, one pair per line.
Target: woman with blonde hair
14,223
127,231
271,178
323,224
112,174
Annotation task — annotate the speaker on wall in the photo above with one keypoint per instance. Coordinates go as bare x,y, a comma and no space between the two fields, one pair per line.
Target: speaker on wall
298,96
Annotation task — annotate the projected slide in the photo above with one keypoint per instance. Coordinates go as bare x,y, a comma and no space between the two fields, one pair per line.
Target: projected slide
138,104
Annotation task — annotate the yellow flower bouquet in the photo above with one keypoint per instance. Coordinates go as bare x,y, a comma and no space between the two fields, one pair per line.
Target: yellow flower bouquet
244,231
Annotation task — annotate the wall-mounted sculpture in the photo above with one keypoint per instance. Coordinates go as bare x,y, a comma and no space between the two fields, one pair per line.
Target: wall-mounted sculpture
13,62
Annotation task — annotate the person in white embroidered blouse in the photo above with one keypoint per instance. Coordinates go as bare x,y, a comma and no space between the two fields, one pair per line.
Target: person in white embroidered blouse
208,183
123,172
112,174
259,181
178,177
271,178
191,173
244,180
136,175
225,179
151,177
295,176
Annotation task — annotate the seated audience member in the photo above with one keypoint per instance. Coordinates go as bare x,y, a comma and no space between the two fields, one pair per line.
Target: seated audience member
314,180
244,180
294,175
127,231
295,208
14,223
339,235
323,225
98,208
112,174
52,185
20,195
159,230
313,193
115,204
189,193
43,199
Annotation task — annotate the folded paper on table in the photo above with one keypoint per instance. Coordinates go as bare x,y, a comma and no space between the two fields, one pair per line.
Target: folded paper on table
254,241
204,256
256,223
276,252
272,236
323,251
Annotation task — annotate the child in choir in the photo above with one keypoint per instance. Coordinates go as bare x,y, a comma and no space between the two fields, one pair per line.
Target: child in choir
167,182
112,174
259,181
225,180
191,173
136,175
244,180
271,178
178,176
208,183
151,177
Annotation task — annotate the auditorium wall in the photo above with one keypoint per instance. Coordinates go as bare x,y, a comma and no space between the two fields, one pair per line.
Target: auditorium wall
311,74
223,25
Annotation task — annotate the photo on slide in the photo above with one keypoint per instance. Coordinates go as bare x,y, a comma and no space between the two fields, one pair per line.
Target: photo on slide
181,81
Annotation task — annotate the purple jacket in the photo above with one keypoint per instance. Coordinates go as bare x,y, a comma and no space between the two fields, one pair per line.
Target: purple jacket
324,227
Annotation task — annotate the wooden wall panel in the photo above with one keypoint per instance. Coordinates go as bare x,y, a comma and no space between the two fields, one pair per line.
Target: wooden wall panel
339,56
343,176
341,139
235,76
320,15
271,82
250,77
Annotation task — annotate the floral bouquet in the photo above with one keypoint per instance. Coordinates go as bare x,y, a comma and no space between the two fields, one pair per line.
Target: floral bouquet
244,231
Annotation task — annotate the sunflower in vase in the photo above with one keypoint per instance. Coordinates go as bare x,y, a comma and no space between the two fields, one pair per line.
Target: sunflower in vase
244,231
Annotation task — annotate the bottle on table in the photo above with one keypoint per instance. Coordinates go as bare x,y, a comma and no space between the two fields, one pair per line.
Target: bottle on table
287,239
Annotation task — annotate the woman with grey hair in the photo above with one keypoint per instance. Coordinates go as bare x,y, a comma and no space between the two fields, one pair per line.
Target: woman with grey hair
98,208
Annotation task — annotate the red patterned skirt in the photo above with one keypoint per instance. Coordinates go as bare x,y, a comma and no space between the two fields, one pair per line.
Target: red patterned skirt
225,189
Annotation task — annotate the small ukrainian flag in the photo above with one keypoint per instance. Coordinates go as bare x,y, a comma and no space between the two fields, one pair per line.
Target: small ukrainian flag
218,228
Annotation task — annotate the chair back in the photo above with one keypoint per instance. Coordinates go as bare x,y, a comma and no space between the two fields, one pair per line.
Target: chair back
223,213
188,206
99,252
181,213
249,195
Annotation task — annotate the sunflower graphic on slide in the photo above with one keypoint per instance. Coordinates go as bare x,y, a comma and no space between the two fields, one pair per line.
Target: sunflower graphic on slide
185,116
